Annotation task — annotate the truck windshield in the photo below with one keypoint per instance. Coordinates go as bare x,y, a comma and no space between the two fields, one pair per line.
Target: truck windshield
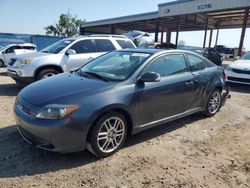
58,46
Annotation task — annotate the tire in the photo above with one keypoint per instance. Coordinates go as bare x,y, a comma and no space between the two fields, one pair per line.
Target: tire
45,73
213,103
1,63
107,135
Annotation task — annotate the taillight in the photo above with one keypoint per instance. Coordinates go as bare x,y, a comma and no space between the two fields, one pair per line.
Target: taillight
224,73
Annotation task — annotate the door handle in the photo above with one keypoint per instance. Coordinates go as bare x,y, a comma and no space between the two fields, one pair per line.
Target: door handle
189,83
90,58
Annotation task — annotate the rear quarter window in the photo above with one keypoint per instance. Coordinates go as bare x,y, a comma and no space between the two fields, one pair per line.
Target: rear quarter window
196,63
125,44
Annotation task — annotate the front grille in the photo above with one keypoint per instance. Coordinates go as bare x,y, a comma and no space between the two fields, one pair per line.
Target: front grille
12,61
239,71
238,79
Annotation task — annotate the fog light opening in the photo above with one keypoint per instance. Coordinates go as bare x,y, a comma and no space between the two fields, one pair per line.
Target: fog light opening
19,73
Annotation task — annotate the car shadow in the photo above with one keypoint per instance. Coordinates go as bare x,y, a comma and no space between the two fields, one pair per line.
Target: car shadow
239,88
9,89
161,129
18,158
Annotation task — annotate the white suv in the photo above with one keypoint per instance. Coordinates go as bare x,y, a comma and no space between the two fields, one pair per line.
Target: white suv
63,56
8,52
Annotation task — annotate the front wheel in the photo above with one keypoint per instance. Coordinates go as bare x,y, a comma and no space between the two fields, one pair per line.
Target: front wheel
213,104
107,135
45,73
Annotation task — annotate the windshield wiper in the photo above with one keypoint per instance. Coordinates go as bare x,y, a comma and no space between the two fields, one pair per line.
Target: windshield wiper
96,75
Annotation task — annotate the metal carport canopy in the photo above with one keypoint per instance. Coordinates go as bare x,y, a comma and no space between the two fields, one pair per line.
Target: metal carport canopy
180,15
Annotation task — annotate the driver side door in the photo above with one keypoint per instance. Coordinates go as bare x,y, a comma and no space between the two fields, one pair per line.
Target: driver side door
169,96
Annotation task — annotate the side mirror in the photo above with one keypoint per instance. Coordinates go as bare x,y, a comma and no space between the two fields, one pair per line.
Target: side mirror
70,52
150,77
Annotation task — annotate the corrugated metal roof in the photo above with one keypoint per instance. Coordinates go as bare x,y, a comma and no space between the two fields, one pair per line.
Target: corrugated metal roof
143,16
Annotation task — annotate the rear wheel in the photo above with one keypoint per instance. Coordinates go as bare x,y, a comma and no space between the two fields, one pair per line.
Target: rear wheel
45,73
213,103
108,135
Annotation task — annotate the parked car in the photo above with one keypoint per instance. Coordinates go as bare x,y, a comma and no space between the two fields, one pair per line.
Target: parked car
8,52
63,56
239,70
224,51
213,56
157,45
120,93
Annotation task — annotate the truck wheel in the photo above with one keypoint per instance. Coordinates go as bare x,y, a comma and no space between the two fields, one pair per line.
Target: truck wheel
45,73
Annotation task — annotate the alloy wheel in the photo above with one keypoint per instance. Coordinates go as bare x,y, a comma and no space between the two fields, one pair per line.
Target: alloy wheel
111,134
214,102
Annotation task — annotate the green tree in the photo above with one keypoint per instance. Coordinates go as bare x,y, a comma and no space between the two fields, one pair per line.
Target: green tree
67,26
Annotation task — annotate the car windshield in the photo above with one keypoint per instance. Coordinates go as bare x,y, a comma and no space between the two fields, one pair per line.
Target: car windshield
58,46
246,56
115,66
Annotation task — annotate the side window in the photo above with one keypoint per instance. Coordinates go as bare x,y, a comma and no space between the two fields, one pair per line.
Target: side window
11,49
104,45
196,63
125,44
84,46
168,65
28,47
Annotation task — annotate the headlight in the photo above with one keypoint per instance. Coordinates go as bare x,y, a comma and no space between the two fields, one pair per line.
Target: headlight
56,111
22,62
25,61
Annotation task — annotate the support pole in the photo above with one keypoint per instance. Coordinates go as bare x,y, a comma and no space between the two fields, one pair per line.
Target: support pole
177,31
168,37
210,38
217,36
82,31
113,29
205,34
243,31
162,30
157,29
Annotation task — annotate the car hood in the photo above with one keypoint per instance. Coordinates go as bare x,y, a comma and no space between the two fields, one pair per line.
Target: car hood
241,64
65,88
32,55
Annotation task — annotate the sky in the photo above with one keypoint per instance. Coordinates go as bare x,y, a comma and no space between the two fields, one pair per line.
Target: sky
31,16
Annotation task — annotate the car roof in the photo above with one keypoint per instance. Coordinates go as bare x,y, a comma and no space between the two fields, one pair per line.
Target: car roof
120,37
155,51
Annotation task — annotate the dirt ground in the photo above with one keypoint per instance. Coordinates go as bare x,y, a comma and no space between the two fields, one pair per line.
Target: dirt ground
191,152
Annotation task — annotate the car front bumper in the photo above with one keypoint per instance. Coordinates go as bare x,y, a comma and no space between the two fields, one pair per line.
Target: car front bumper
20,80
238,78
64,136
